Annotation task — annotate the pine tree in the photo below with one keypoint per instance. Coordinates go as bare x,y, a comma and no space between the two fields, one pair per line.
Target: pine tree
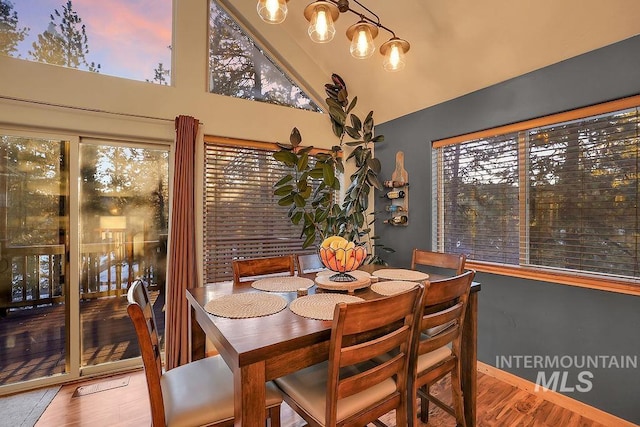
161,74
65,43
10,34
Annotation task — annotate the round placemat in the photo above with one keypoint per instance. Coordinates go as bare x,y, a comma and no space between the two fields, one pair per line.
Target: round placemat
250,304
282,284
401,274
392,287
320,306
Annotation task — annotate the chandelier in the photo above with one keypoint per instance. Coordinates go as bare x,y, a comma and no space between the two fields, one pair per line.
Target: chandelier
322,15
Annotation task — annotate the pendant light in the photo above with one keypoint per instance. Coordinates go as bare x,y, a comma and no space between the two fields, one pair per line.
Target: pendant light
361,35
272,11
393,52
321,16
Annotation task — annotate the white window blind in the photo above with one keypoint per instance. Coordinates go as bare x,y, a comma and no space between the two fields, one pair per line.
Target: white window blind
560,195
242,218
478,199
583,195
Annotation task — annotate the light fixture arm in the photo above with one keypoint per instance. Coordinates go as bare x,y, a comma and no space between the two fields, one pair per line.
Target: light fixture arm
343,6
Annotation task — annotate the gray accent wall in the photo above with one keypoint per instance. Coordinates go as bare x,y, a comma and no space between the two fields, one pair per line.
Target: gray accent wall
521,318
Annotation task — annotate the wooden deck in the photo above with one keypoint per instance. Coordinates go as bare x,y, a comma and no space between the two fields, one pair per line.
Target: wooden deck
33,340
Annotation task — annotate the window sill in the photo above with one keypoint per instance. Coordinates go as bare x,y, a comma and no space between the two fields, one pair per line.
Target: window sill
603,283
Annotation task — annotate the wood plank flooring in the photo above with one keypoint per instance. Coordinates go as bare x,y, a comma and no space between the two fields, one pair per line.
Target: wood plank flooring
499,404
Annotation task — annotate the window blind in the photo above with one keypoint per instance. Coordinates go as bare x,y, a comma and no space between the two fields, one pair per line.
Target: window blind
583,194
478,199
242,218
561,195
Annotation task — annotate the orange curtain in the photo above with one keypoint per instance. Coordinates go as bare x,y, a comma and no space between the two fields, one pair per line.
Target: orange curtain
182,244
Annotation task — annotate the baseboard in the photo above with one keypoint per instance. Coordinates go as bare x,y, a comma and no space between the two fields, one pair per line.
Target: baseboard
556,398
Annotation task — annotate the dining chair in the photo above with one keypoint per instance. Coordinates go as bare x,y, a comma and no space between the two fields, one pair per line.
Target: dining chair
353,387
251,267
197,393
444,260
438,343
308,263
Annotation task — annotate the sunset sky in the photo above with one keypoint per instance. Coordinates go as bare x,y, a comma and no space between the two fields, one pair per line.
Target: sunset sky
128,38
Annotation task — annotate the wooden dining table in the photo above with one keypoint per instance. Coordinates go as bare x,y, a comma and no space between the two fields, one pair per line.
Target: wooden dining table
259,349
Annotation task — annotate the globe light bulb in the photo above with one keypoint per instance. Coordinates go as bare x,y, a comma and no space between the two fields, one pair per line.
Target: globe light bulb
394,54
361,35
272,11
362,46
321,28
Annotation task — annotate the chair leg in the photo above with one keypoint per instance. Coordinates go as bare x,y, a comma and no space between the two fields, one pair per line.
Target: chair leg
458,398
424,404
274,416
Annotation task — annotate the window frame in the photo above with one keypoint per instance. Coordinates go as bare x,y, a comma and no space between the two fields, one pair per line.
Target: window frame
629,286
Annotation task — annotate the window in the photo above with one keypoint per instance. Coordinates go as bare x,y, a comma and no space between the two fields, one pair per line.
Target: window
240,68
119,38
242,218
557,193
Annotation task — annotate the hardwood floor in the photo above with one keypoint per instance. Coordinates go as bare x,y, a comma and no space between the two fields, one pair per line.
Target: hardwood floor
499,404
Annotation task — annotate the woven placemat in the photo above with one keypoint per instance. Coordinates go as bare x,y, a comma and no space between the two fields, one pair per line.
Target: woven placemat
250,304
401,274
320,306
282,284
392,287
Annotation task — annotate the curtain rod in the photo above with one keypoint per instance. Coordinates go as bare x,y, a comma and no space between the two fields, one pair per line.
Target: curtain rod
91,110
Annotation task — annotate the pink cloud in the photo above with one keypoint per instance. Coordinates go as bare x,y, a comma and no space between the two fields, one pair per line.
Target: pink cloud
131,35
127,37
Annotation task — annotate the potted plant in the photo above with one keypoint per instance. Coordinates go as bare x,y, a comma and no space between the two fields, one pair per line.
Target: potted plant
310,188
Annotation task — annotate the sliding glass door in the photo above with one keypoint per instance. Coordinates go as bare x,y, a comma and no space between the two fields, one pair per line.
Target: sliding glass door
34,243
80,220
123,235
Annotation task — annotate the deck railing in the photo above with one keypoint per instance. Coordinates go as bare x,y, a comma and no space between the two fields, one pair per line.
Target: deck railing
36,275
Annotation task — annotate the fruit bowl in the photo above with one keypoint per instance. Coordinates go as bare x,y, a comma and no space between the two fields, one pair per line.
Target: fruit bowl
342,257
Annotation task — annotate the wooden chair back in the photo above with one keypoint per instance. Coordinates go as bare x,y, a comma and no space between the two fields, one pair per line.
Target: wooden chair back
366,331
449,261
262,266
308,262
440,325
140,311
444,306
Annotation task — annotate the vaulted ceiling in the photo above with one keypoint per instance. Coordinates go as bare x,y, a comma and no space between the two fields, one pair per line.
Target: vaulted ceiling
457,46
